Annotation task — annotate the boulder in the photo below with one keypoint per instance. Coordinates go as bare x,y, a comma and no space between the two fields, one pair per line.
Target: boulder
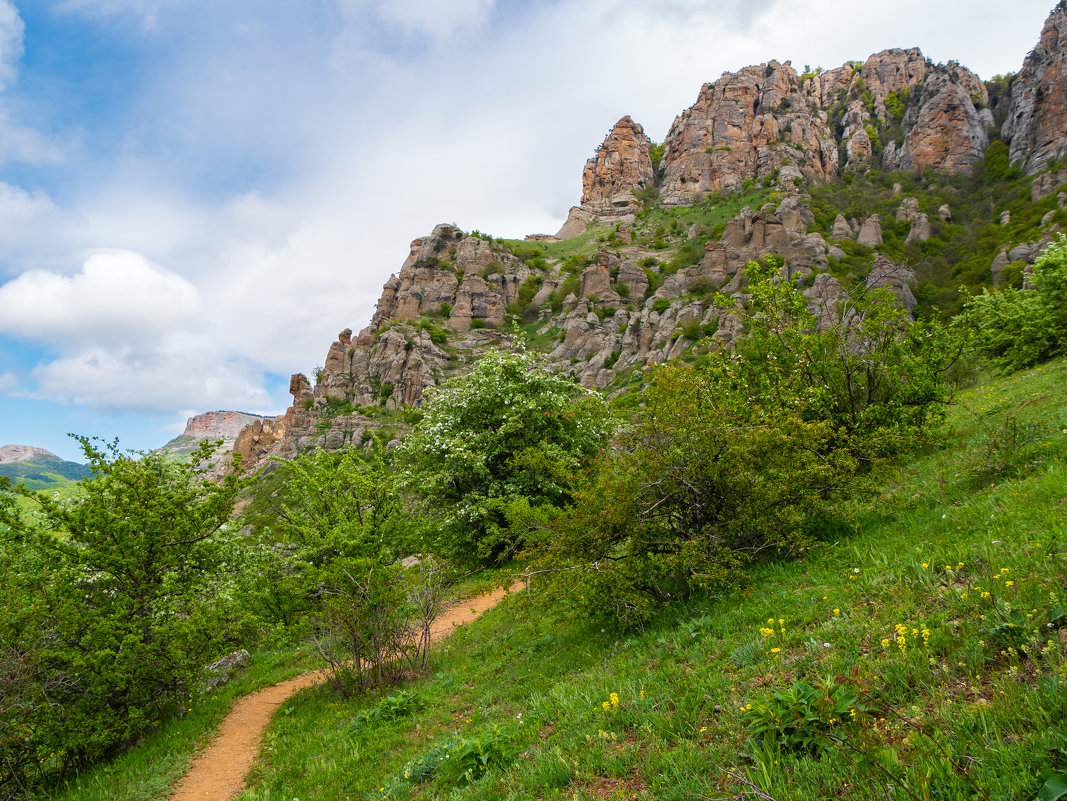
909,209
898,279
871,232
222,670
841,229
921,230
1000,261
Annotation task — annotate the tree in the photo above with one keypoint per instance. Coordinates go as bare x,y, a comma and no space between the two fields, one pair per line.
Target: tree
119,584
1018,328
342,517
504,440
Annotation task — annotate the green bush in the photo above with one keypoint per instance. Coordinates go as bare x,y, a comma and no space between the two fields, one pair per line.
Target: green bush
734,456
1017,328
111,606
507,439
660,305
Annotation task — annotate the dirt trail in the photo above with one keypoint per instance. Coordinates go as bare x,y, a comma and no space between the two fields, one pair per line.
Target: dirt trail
218,773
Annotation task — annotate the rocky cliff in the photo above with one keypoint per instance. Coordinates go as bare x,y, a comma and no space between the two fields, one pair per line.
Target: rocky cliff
1036,127
739,177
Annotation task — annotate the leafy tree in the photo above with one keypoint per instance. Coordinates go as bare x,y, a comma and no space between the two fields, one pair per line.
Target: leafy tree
1017,328
342,518
117,609
496,444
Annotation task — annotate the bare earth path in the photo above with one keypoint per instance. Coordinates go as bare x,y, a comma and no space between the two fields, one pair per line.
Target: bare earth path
218,773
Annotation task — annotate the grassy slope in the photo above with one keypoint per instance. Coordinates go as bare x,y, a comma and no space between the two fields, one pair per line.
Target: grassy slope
961,712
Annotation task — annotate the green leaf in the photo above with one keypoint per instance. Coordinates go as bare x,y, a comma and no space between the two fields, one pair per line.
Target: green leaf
1054,789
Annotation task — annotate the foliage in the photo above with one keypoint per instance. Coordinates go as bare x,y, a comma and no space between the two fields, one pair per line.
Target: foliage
1020,328
112,605
740,453
802,717
501,443
343,520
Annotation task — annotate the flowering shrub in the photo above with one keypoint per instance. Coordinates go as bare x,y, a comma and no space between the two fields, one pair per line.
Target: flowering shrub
499,447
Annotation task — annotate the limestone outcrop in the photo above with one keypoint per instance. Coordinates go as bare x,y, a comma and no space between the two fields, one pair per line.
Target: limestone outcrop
1036,126
945,131
752,124
621,164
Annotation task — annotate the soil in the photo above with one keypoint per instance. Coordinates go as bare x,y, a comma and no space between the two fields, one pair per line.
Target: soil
218,773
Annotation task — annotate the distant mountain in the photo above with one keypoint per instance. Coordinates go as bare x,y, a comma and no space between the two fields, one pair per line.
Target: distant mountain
220,425
37,468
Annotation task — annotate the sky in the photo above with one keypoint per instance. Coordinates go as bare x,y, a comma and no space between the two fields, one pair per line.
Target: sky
197,196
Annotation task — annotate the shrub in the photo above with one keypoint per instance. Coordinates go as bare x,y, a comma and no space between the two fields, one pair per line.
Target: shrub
1017,328
660,305
505,440
734,456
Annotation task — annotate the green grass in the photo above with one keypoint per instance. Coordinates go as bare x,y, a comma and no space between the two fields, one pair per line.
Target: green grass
960,712
585,243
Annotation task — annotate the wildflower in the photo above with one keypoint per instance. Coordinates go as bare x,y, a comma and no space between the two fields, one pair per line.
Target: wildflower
1008,583
606,706
885,642
614,699
766,632
925,565
985,594
642,695
837,612
703,729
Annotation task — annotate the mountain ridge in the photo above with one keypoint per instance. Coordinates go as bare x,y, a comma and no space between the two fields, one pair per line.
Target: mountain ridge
767,163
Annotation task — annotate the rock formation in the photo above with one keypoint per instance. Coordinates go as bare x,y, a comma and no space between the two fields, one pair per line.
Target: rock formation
631,300
621,164
1036,126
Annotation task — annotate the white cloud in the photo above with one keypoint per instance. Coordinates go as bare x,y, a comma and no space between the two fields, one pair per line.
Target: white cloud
159,382
11,31
23,216
147,11
434,19
118,300
8,382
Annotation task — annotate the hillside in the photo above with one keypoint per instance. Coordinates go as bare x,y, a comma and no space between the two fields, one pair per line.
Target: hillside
921,646
893,172
38,469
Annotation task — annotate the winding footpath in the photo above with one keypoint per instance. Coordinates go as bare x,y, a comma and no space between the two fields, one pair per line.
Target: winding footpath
219,772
